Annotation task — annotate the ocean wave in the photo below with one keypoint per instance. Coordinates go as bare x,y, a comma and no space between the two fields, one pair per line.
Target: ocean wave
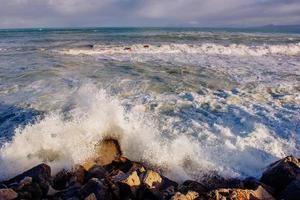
208,48
64,141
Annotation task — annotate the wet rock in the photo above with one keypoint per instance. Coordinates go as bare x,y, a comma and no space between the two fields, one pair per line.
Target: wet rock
31,191
192,186
239,194
122,164
79,174
8,194
130,179
190,195
160,186
96,172
61,180
214,181
281,173
253,184
146,46
26,181
292,191
71,192
40,174
152,179
96,187
127,49
106,151
91,197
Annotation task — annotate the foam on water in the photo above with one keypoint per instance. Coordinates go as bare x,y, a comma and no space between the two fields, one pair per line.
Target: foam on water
186,103
63,141
208,48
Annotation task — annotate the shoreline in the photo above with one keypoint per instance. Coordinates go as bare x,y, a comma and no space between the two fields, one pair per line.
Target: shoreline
109,175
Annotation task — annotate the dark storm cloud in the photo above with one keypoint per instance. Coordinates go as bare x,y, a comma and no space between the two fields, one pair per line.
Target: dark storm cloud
58,13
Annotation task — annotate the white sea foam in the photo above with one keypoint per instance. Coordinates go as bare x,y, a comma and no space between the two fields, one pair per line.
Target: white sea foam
63,142
208,48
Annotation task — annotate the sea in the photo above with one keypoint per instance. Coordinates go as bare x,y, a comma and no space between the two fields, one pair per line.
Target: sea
188,102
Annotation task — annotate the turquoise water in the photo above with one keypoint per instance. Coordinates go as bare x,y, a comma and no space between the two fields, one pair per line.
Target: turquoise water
186,100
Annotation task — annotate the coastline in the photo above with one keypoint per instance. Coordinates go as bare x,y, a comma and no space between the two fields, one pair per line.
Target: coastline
109,175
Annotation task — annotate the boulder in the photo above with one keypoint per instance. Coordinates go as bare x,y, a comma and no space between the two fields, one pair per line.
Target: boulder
190,195
292,191
8,194
79,174
72,192
96,172
130,179
281,173
106,151
161,187
192,186
61,180
96,187
239,194
31,191
40,174
152,179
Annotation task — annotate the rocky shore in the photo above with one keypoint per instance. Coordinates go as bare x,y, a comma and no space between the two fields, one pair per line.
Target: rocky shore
111,176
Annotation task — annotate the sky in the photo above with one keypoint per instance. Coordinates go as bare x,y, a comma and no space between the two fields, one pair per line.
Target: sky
199,13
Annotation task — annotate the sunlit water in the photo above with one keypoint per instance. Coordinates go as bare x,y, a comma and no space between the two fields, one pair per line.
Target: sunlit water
188,102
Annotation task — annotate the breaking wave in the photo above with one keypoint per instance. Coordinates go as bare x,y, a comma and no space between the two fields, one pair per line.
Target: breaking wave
62,141
208,48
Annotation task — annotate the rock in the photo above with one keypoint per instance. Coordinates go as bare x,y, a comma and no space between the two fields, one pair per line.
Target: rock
191,195
31,191
292,191
146,46
214,181
26,181
91,197
130,179
253,184
107,151
152,179
122,164
160,186
72,192
96,172
61,180
8,194
79,174
281,173
127,49
192,186
239,194
96,187
40,174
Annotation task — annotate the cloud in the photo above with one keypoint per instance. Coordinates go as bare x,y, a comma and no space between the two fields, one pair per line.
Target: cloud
58,13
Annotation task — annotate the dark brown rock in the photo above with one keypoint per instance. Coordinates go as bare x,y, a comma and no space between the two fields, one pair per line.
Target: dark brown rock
31,191
281,173
292,191
40,174
146,46
127,49
72,192
97,187
79,174
61,180
214,181
96,172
